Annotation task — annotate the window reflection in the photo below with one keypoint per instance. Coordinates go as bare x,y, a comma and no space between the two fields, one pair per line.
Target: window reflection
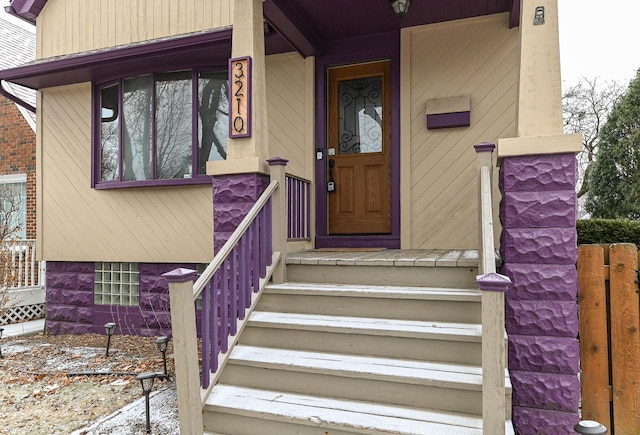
109,149
136,134
173,125
213,118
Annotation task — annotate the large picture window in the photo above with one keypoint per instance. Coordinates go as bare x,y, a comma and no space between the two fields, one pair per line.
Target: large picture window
161,126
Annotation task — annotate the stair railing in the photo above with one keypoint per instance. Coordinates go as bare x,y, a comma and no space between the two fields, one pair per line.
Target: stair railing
230,287
493,287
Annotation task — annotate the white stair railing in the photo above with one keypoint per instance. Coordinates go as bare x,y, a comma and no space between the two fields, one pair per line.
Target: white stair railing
493,287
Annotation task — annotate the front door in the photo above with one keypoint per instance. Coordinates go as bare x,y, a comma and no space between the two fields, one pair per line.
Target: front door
359,149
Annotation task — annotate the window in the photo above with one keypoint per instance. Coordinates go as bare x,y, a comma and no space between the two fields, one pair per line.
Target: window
116,284
13,206
161,126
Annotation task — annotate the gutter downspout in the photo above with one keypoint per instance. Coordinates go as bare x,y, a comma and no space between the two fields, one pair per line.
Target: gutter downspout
15,99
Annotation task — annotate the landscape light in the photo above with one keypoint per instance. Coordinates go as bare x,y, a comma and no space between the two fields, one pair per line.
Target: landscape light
146,381
162,343
109,327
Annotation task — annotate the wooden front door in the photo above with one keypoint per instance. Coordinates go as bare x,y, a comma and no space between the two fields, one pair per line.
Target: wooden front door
359,149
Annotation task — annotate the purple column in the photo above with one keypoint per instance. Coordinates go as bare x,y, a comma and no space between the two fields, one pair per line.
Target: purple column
233,197
538,244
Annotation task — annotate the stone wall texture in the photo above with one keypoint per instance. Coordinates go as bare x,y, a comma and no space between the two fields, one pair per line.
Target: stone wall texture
233,197
71,308
539,249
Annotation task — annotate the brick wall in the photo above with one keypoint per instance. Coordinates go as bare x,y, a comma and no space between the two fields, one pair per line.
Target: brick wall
18,154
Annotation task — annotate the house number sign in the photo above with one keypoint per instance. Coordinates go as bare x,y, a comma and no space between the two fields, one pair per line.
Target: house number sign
240,97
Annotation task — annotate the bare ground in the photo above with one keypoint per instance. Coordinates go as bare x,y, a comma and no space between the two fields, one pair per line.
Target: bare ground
41,396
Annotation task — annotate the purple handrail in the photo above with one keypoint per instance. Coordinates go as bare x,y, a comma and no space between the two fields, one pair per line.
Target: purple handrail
241,262
299,208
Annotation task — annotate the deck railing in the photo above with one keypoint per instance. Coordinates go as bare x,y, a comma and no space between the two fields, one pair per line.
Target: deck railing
20,264
299,208
493,287
230,287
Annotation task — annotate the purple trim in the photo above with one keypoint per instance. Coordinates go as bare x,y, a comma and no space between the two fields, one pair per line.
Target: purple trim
277,161
493,282
291,26
514,14
15,99
28,10
180,274
357,242
448,120
484,147
192,51
249,90
200,179
154,146
374,47
195,122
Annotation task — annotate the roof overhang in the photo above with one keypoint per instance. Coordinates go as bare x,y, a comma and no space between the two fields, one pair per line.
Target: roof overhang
206,49
307,26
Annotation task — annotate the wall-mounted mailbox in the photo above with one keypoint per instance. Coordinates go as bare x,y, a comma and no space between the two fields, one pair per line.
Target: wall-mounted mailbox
449,112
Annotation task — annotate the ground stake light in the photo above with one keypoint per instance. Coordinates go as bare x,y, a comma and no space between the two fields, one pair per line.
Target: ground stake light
109,327
162,343
1,331
146,381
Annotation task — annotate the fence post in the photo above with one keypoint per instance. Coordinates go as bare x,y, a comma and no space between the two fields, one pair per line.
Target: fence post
183,327
625,341
594,340
279,219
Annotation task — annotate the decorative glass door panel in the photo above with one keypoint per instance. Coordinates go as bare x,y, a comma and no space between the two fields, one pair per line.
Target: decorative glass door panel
360,115
359,166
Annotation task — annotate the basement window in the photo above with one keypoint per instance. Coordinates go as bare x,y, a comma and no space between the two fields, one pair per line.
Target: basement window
116,284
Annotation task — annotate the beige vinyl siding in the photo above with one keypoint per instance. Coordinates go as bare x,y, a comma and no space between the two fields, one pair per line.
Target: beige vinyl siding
477,58
78,223
73,26
290,90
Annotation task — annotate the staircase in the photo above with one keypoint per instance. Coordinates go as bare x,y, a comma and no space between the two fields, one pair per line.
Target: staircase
359,343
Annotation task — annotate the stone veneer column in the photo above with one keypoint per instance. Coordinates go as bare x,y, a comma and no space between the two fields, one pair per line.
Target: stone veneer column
233,197
538,215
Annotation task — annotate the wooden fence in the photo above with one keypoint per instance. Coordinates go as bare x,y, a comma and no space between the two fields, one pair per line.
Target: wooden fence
609,308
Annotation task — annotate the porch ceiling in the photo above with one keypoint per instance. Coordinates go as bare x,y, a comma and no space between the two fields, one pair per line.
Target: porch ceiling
309,25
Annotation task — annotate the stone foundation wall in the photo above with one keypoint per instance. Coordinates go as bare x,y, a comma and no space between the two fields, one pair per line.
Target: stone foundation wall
71,308
539,249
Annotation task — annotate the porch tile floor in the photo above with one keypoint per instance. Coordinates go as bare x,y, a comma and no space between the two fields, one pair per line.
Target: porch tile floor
389,257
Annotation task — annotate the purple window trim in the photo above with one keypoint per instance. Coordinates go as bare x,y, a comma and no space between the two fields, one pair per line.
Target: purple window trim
248,91
96,146
358,50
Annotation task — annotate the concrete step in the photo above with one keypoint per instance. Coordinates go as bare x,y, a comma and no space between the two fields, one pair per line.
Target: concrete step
398,302
407,339
441,386
248,411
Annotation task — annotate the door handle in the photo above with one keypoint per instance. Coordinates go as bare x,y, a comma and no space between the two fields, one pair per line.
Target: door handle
331,184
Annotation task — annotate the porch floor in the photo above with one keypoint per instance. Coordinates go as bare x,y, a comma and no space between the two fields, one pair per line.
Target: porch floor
388,257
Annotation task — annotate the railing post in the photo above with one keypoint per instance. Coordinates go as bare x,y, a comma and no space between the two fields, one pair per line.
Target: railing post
183,326
493,286
485,152
277,167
